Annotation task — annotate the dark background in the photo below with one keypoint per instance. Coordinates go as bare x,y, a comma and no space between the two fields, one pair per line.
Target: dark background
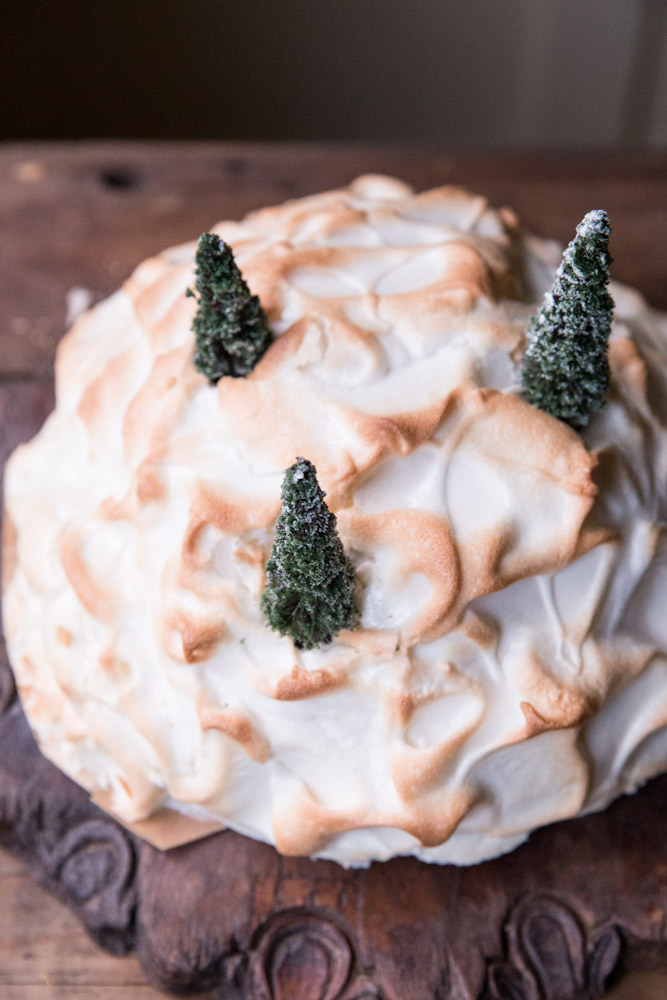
469,73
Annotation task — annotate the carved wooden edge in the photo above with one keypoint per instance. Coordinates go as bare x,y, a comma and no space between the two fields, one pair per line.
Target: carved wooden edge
549,949
71,847
286,944
550,952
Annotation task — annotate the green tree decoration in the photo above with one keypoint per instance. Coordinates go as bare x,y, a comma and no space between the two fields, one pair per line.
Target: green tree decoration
310,581
565,366
230,325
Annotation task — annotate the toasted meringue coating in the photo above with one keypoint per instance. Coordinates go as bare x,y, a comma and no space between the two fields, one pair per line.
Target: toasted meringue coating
510,666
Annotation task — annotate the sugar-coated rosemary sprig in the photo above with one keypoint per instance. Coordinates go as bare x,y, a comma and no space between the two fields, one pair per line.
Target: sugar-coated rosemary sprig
230,326
565,369
309,591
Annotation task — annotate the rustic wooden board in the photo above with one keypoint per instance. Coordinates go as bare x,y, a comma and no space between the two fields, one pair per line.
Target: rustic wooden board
562,916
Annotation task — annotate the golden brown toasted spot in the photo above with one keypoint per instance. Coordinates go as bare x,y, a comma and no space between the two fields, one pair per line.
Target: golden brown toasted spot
435,819
451,194
63,635
264,270
400,433
252,555
481,556
239,728
191,552
116,510
507,429
482,632
198,638
402,706
161,304
149,270
503,430
417,687
9,548
466,270
124,785
248,409
423,544
308,339
592,535
282,349
553,703
148,482
231,515
306,827
307,683
401,702
535,723
152,413
416,771
303,826
93,596
111,664
211,589
371,642
101,394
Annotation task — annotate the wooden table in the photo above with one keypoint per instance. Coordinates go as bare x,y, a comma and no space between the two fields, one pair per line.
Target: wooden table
74,221
45,954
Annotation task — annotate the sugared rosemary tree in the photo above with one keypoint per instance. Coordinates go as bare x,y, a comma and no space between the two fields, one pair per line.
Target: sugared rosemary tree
565,366
230,326
310,581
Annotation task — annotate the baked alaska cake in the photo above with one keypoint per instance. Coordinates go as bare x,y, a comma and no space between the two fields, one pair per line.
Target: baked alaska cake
505,662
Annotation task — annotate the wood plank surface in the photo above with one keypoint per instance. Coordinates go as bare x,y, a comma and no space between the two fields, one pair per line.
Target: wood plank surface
45,954
75,220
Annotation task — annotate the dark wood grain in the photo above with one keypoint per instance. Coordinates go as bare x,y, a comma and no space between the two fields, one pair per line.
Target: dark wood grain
564,915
